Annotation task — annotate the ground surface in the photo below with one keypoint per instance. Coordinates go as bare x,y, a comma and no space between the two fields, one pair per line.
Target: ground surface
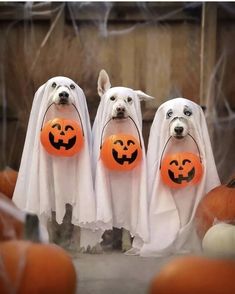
115,273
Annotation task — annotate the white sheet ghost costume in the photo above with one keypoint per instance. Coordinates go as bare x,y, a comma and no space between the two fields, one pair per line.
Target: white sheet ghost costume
171,211
121,195
46,182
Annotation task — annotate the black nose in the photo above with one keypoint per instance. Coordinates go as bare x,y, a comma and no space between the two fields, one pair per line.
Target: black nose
64,95
178,130
120,109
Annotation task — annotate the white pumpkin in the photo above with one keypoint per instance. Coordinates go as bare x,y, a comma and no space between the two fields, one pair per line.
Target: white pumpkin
219,240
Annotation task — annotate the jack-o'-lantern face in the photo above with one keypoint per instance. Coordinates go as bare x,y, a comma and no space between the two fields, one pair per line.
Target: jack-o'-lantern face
181,169
121,152
62,137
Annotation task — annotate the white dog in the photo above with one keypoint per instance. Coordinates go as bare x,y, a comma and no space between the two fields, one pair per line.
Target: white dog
179,125
57,185
179,128
121,195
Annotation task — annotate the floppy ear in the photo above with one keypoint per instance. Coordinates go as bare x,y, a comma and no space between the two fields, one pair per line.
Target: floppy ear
103,82
142,96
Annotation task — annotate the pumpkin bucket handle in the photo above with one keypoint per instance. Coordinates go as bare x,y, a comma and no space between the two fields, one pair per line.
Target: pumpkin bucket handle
76,111
101,143
199,153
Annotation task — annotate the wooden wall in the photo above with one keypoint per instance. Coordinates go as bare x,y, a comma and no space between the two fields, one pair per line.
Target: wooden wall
155,48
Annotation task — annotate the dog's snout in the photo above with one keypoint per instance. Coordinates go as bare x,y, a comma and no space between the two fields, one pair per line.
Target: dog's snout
121,109
64,95
178,130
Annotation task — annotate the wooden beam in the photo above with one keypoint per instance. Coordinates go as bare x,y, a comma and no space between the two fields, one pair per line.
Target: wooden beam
208,53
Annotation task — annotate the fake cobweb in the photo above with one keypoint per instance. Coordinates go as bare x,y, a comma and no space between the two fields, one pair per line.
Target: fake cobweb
77,39
154,47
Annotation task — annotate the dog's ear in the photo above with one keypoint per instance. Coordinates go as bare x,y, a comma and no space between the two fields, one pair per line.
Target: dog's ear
103,82
142,96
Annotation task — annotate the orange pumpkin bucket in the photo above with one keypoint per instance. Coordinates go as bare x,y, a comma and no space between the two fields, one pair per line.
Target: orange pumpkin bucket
181,169
121,152
62,137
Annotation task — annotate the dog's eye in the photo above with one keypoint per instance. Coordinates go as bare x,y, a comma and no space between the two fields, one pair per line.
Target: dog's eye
53,85
187,112
169,113
72,86
129,99
112,98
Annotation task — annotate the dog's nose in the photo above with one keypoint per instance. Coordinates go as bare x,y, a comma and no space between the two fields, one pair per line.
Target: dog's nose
64,95
178,130
120,109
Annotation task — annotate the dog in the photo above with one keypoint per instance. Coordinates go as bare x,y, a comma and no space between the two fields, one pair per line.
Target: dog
57,186
62,94
118,205
178,144
179,125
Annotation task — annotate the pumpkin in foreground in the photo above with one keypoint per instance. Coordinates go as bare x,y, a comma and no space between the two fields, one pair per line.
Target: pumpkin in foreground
217,206
195,275
34,268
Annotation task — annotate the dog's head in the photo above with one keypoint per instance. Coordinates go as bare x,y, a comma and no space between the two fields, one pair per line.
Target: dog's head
121,99
179,121
62,93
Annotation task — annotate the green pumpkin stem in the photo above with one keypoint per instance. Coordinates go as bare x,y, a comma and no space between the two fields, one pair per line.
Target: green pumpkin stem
231,184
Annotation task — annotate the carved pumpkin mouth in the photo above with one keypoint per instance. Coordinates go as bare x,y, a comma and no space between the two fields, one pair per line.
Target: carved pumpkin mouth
121,160
181,178
60,143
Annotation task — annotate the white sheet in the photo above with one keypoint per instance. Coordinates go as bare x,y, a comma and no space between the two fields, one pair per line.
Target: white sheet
121,195
45,182
171,211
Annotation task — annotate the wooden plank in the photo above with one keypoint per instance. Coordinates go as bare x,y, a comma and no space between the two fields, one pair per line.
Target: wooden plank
132,12
93,11
22,11
185,65
208,53
158,59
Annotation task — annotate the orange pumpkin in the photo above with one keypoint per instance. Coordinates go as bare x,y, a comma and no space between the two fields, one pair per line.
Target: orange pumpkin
181,169
11,220
8,179
62,137
195,275
217,205
31,268
121,152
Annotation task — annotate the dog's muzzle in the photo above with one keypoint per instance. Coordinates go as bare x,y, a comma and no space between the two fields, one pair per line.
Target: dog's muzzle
178,132
120,112
178,127
64,97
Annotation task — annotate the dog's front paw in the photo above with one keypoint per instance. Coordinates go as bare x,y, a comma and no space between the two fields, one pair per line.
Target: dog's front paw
97,249
126,240
126,247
